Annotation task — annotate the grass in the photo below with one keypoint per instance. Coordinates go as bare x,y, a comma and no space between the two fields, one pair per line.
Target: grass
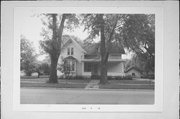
128,84
42,82
59,85
118,86
81,84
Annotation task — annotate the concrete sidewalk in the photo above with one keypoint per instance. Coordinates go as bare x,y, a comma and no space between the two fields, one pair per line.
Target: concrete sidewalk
93,84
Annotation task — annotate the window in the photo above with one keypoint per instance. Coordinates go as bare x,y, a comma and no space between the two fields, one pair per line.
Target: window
87,67
133,74
71,65
68,51
72,51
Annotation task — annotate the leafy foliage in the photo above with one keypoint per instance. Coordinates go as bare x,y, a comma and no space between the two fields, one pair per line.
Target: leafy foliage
136,32
52,33
105,26
28,58
65,68
139,36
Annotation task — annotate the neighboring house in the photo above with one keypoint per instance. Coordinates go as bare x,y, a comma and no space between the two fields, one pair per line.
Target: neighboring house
85,59
134,72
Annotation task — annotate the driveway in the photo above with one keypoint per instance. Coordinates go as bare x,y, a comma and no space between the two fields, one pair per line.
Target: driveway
81,96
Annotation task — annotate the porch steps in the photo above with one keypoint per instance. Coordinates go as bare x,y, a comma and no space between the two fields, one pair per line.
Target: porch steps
93,84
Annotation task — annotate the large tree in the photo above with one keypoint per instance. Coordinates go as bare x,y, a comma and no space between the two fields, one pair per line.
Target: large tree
138,35
134,32
28,56
53,38
105,26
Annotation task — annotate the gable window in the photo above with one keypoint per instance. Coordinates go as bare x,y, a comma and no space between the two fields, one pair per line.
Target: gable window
72,51
68,51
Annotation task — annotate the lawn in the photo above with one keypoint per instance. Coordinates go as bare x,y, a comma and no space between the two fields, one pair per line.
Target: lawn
128,84
81,84
42,82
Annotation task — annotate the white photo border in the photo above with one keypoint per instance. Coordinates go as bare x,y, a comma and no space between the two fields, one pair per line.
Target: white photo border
156,107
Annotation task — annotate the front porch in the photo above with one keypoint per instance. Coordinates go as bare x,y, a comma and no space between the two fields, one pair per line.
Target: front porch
93,68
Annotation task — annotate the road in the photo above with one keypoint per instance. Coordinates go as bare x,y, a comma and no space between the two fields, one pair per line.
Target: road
79,96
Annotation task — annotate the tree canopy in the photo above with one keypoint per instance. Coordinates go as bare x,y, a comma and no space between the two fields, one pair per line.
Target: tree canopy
28,56
52,33
135,32
138,35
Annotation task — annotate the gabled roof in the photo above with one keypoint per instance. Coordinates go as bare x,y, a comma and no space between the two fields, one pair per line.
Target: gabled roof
69,39
91,48
71,58
94,49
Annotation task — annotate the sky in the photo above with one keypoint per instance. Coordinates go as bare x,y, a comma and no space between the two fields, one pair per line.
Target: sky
30,26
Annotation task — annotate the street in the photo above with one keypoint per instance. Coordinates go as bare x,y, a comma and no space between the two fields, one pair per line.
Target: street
81,96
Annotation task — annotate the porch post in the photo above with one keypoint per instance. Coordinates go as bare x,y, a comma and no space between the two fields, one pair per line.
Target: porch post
82,64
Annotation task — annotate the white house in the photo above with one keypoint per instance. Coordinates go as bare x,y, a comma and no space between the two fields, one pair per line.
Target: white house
84,59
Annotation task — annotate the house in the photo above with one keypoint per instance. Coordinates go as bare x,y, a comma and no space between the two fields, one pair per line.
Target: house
133,71
84,59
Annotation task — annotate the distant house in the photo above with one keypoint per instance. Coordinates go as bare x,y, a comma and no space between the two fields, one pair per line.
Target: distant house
133,71
85,59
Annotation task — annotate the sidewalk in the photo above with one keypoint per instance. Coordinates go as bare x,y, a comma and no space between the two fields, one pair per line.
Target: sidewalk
93,84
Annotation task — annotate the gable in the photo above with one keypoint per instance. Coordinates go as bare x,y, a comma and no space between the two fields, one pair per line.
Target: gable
67,40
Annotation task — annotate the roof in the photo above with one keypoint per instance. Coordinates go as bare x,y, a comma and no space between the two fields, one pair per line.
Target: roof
133,67
92,48
70,57
69,39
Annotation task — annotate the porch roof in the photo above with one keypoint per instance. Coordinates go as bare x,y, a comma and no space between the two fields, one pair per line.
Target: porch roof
70,57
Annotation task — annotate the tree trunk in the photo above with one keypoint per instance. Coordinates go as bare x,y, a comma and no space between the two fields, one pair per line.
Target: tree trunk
103,79
53,70
56,45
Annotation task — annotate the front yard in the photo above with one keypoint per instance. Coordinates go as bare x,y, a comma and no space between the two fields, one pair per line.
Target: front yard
81,84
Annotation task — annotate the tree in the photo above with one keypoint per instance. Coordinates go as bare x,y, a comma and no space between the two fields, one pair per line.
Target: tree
53,38
42,68
28,57
135,32
138,35
105,26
